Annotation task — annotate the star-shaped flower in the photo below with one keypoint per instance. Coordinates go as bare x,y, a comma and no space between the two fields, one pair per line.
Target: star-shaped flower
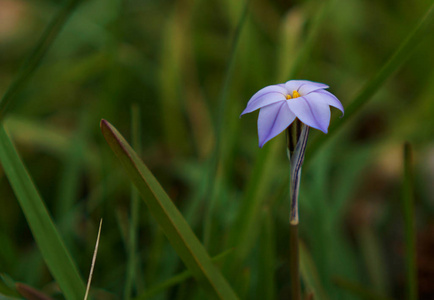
280,104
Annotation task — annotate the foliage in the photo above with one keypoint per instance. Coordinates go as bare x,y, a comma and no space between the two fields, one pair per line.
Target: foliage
173,78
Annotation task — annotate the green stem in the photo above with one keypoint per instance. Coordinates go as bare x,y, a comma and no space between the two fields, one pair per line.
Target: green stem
296,158
294,262
297,141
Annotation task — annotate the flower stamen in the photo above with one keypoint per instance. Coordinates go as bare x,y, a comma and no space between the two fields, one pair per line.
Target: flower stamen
295,94
288,97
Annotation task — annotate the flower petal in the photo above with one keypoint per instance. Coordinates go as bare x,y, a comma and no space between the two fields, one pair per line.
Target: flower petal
266,96
272,120
330,99
313,112
304,87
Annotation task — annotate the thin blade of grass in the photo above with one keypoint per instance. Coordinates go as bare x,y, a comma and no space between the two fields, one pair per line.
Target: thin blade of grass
70,180
177,230
409,224
309,274
416,36
35,57
44,231
92,267
267,284
358,290
173,122
6,290
134,211
373,258
177,279
213,179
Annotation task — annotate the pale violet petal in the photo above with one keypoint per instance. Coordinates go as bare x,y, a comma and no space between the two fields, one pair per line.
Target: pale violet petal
266,96
330,99
304,87
272,120
321,111
314,113
266,90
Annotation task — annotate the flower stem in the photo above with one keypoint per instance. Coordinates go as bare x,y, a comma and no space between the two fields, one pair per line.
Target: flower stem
296,159
297,141
294,262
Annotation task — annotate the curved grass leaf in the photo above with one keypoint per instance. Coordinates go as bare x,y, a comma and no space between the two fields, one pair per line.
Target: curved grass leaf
52,248
177,230
35,57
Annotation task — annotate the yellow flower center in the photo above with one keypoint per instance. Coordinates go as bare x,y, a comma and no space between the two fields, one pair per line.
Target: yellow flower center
295,94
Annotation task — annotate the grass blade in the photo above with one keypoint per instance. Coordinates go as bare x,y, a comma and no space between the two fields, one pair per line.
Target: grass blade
267,266
409,223
44,231
213,180
177,279
177,230
309,274
92,267
417,35
37,54
358,290
134,212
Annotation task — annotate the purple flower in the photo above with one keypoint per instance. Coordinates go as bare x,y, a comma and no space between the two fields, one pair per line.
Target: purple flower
280,104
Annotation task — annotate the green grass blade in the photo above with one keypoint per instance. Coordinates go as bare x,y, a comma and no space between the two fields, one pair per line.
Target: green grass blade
50,243
409,223
6,290
70,179
134,212
170,79
358,290
37,54
267,257
309,274
373,259
416,36
217,153
177,230
177,279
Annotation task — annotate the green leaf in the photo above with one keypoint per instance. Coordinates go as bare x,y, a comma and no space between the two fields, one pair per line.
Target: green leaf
47,237
168,217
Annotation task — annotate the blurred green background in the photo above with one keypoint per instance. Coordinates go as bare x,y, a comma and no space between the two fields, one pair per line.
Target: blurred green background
187,68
